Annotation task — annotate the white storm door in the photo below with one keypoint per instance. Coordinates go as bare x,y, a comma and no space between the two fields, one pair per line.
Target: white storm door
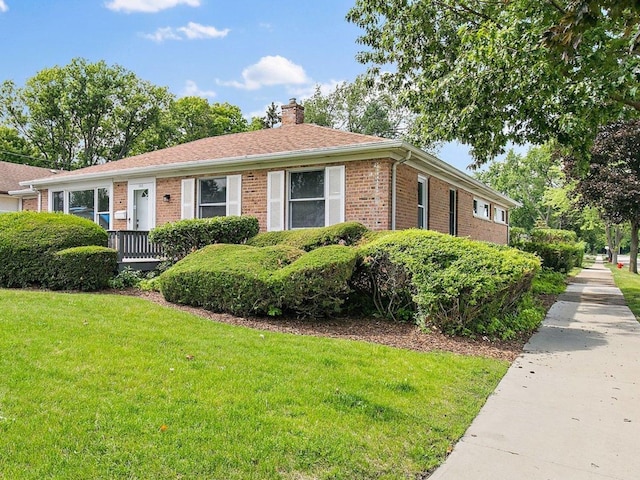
141,206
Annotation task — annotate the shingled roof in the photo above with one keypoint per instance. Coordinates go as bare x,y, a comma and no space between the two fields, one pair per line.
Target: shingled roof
11,174
286,139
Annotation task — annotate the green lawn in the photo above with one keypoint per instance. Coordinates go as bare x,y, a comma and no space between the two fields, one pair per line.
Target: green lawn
629,283
100,386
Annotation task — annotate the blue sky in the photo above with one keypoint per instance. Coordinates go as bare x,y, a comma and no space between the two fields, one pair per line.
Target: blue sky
248,52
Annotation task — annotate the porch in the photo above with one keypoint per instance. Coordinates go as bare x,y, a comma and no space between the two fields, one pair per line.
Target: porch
135,250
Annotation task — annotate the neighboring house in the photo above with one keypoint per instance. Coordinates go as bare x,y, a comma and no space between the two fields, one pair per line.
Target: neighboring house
298,175
13,196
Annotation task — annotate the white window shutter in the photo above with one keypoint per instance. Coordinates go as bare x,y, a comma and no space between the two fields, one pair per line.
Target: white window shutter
234,195
275,200
188,198
335,192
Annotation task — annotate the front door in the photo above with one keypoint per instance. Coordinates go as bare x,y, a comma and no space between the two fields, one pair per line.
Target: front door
141,205
141,209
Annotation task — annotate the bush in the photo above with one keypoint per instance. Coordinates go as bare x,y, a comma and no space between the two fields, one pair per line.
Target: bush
455,284
127,278
316,284
307,239
29,240
560,257
227,278
559,250
83,268
246,280
550,235
179,239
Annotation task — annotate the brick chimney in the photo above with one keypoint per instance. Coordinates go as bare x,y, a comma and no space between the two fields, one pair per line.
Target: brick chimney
292,114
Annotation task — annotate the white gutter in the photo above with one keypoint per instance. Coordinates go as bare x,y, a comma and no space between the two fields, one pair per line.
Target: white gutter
394,188
23,193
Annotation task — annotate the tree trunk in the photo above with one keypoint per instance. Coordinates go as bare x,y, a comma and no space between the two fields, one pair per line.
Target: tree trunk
633,254
614,237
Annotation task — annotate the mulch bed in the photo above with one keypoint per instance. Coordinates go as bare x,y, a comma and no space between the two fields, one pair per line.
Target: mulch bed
374,330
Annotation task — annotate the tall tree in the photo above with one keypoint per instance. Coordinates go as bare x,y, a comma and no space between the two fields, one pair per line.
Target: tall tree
487,73
612,181
191,118
362,106
536,181
272,117
16,149
83,113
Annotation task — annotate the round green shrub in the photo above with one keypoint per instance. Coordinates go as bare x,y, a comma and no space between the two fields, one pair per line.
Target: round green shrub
455,284
83,268
247,280
29,240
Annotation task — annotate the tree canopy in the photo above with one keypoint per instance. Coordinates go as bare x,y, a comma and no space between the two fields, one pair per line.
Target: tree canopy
487,73
86,113
83,113
612,182
361,106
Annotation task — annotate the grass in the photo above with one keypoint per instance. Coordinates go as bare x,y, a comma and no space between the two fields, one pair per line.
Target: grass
100,386
629,284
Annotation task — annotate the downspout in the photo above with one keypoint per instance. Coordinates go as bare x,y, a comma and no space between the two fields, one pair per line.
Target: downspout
394,175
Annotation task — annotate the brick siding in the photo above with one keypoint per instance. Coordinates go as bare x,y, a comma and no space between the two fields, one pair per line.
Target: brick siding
30,204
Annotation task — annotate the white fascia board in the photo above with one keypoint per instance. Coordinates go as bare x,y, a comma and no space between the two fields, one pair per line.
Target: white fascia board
328,155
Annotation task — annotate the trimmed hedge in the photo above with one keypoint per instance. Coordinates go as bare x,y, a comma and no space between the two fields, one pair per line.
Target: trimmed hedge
29,240
307,239
317,284
83,268
559,250
552,235
179,239
559,257
247,280
458,285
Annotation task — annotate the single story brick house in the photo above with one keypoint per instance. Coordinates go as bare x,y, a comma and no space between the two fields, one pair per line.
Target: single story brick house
13,197
299,175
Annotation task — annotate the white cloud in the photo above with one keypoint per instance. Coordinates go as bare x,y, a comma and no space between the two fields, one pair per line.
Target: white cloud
147,6
195,30
3,6
162,34
269,71
306,91
191,89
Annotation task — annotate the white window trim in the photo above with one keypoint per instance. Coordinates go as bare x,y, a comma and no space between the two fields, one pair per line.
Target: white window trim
497,218
78,188
485,206
288,198
224,204
422,183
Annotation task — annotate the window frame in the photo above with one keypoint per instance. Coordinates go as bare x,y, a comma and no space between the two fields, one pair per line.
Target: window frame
289,200
66,191
212,204
453,212
502,218
423,217
481,205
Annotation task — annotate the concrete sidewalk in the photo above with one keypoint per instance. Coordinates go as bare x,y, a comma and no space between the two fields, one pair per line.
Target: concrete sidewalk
569,406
